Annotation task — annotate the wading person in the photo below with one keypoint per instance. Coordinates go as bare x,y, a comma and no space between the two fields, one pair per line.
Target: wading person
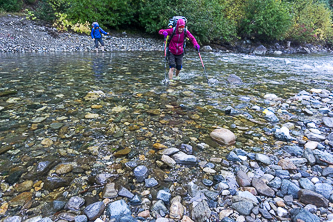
96,35
176,46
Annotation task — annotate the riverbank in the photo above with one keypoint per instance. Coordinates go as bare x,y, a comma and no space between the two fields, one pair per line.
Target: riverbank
17,34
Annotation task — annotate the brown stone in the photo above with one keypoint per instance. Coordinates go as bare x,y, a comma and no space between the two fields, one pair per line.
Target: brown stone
262,188
64,168
25,186
311,197
287,164
21,199
242,179
223,136
122,152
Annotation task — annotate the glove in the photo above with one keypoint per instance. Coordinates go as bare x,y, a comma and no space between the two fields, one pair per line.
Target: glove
197,47
165,33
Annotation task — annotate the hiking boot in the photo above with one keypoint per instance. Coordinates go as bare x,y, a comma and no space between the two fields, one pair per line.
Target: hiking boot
102,48
177,78
96,49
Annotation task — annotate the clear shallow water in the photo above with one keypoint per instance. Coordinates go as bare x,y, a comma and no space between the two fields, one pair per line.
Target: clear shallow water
136,109
62,78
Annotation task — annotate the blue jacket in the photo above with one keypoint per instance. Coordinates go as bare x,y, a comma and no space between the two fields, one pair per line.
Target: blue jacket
96,32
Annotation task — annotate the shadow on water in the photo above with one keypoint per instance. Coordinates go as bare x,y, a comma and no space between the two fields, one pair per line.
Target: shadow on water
44,110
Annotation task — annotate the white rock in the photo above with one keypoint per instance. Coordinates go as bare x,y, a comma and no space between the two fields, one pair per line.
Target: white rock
281,212
270,96
316,90
314,180
311,145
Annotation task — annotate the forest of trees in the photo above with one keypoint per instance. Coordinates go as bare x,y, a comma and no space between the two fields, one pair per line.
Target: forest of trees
221,21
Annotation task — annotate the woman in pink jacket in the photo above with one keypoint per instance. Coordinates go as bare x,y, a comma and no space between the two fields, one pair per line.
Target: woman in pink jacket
176,46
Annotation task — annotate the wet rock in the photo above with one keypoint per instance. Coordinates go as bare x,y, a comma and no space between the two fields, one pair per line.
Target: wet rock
200,212
64,168
25,186
265,213
328,121
93,211
327,171
299,214
183,158
263,158
223,136
151,182
164,196
13,219
81,218
242,179
110,191
136,200
20,199
168,161
140,173
103,178
125,193
14,176
260,50
287,164
159,208
324,189
176,208
311,197
232,78
306,184
262,188
117,209
74,203
243,207
186,148
42,168
293,150
289,188
66,216
52,183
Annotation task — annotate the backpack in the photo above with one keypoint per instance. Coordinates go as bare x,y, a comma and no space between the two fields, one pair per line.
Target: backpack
172,24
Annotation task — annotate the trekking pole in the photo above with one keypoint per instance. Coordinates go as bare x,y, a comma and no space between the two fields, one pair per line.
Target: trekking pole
203,65
165,61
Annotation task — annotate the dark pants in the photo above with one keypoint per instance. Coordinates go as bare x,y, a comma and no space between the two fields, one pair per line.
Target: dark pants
98,40
175,61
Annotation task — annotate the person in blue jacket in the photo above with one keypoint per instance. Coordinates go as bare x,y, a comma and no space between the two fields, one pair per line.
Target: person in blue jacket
97,36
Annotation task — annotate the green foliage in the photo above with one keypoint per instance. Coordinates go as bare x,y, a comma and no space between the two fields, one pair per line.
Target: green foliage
311,21
113,13
29,14
63,24
264,19
30,2
47,9
206,18
11,5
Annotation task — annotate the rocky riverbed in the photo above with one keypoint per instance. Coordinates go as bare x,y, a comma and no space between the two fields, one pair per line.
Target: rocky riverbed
84,163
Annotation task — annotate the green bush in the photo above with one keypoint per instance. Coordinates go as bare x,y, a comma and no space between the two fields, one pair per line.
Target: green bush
264,19
11,5
206,18
311,21
47,9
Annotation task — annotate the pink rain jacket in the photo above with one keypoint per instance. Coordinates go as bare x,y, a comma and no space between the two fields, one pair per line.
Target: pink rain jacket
176,45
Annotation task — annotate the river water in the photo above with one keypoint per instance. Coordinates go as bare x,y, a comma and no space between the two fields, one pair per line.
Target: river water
45,111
